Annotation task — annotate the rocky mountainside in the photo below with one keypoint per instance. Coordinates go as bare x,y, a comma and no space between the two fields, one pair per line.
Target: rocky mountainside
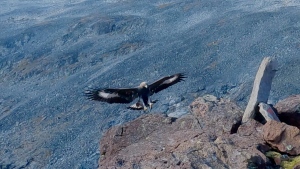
51,51
210,136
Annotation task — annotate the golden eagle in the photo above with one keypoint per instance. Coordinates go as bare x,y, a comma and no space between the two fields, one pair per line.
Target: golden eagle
127,95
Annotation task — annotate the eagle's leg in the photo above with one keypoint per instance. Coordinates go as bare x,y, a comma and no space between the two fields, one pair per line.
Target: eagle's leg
146,109
150,104
144,106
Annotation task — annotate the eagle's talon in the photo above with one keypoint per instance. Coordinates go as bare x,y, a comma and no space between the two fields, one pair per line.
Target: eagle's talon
150,105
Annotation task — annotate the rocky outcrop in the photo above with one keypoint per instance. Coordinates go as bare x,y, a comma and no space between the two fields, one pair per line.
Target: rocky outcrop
208,137
216,115
289,105
282,137
289,110
211,135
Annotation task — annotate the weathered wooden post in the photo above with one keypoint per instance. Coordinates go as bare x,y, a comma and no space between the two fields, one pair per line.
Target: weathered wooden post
261,87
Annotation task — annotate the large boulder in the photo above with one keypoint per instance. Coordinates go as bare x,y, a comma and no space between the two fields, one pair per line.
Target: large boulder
290,104
282,137
219,116
289,110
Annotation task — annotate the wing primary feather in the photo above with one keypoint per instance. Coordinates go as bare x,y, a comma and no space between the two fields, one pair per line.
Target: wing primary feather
166,82
112,95
93,94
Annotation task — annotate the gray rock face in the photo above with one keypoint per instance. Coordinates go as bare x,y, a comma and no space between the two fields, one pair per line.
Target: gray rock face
50,51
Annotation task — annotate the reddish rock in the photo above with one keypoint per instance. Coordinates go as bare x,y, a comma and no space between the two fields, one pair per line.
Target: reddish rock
251,128
201,139
289,105
119,137
200,108
289,110
247,145
149,142
283,137
220,116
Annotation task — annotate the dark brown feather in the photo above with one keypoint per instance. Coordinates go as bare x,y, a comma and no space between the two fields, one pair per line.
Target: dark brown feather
165,82
136,106
113,95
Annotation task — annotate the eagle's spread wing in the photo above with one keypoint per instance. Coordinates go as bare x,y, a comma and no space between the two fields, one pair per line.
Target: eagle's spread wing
165,82
113,95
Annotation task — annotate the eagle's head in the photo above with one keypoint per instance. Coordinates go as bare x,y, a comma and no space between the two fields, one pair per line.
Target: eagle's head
143,85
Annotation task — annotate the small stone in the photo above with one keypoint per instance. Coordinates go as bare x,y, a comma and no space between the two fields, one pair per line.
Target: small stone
210,98
267,112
